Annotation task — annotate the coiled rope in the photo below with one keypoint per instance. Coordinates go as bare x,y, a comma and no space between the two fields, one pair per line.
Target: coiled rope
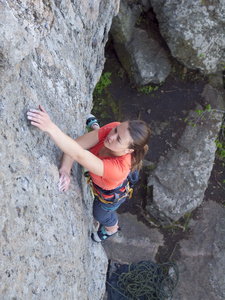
145,280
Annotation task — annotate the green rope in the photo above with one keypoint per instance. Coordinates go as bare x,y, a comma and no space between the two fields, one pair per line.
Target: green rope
148,280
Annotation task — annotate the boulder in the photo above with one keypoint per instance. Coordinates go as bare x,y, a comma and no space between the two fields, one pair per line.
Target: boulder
201,261
178,183
146,5
194,32
134,243
144,59
123,24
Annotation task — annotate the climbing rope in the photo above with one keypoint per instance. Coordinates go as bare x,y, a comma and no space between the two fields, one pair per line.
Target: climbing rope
146,280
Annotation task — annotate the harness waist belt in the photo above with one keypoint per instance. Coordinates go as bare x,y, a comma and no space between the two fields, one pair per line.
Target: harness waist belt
116,193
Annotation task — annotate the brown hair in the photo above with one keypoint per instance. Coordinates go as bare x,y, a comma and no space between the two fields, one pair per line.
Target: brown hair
140,134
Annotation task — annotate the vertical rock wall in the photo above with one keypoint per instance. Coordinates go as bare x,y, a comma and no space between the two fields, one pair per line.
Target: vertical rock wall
51,53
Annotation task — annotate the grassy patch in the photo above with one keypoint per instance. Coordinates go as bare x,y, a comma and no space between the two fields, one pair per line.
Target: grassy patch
104,105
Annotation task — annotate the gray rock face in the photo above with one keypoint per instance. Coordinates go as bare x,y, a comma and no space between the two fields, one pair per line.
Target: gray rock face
194,31
146,4
134,243
52,53
141,56
180,180
22,27
202,260
123,24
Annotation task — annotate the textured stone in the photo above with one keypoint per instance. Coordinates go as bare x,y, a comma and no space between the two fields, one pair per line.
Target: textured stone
124,22
194,31
141,56
52,53
23,24
180,179
202,261
134,243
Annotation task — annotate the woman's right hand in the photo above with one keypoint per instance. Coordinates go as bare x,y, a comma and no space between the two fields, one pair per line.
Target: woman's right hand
40,118
64,181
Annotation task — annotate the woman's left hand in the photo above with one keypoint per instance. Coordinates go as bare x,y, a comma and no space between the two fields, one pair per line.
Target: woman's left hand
64,181
40,118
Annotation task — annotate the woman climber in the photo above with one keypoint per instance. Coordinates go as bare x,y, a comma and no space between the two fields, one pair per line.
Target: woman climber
114,158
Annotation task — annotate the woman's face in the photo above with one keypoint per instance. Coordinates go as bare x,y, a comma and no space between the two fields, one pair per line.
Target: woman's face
119,139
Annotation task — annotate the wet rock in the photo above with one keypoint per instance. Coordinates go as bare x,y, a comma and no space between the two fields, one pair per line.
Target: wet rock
179,181
185,26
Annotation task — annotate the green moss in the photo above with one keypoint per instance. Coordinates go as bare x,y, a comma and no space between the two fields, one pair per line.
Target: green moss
150,168
104,105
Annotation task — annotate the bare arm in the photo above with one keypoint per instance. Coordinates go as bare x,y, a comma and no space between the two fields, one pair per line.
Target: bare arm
70,147
86,141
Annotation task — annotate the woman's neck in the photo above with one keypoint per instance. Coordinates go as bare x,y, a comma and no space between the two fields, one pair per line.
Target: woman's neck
109,153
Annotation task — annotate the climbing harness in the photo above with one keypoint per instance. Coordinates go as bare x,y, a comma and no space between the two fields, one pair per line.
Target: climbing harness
144,280
124,190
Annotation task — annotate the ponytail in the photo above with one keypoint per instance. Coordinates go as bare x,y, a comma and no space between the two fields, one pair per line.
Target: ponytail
140,134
